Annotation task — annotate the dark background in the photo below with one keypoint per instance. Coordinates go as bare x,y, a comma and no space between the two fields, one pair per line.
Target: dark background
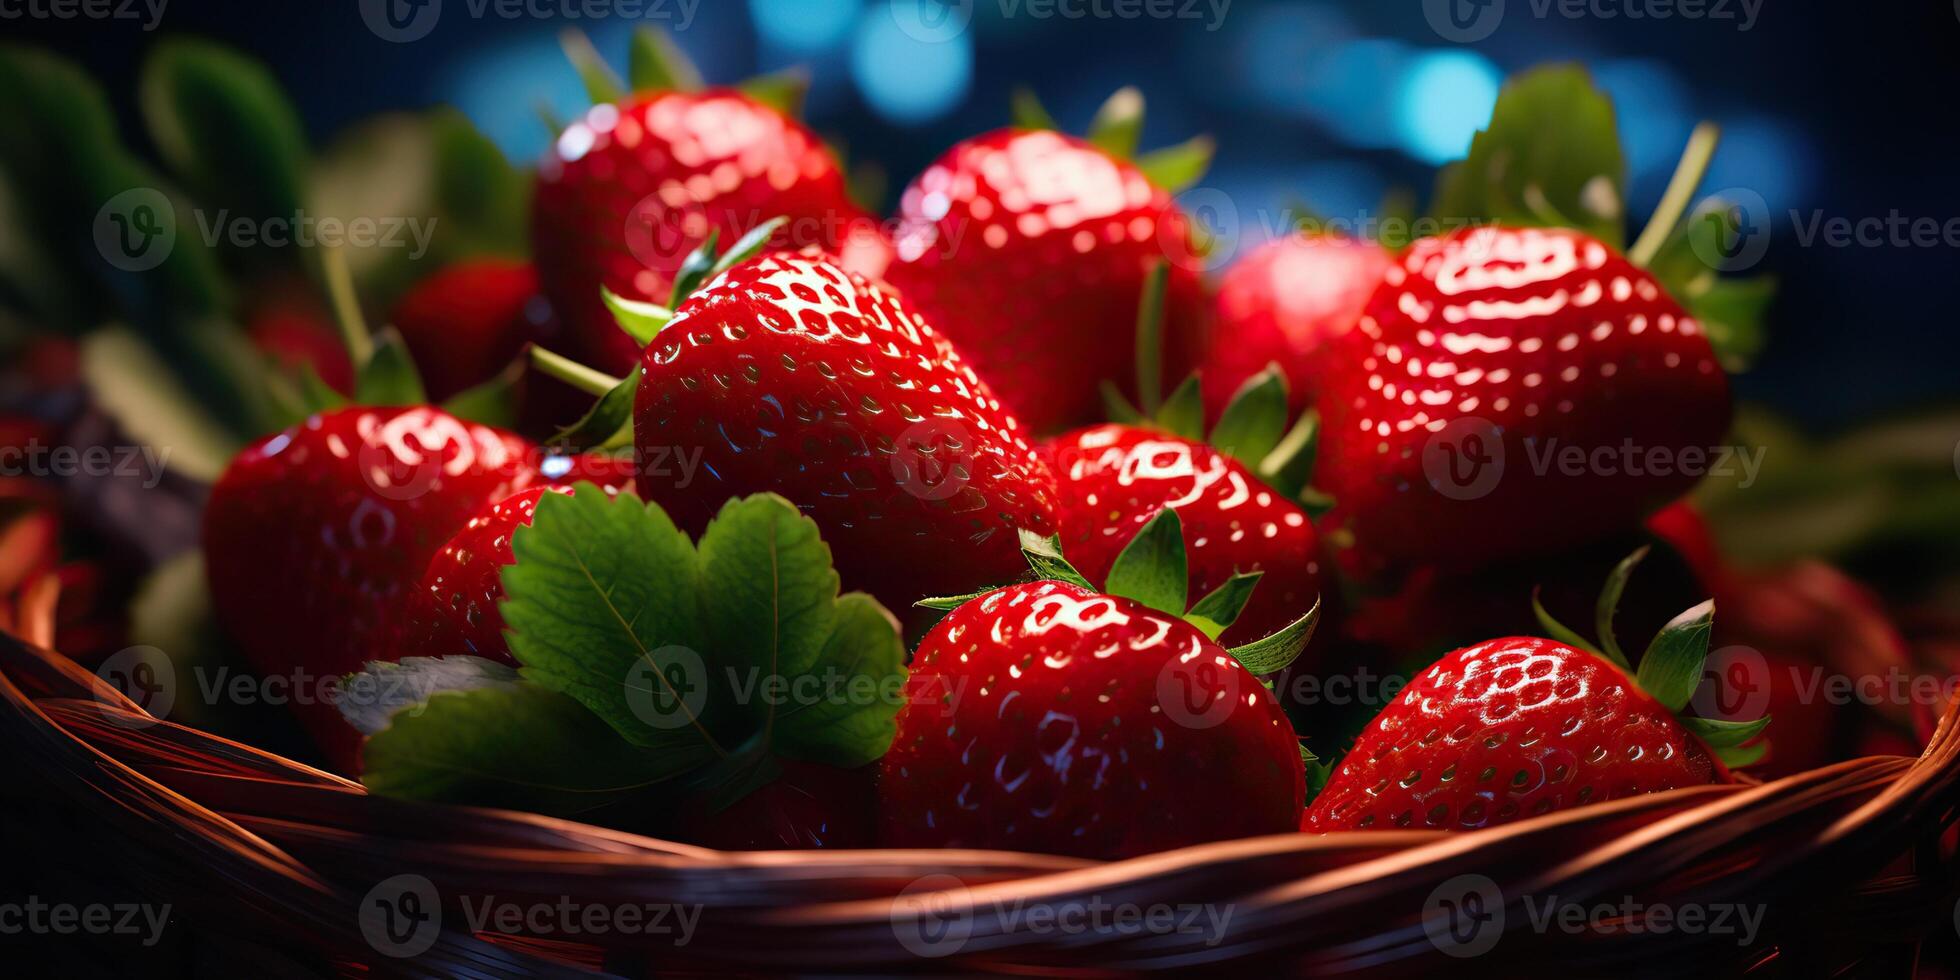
1832,111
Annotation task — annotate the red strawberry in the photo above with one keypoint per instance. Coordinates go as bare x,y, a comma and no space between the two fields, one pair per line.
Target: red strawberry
1115,478
1506,730
295,332
1484,358
788,374
1029,249
454,610
1286,303
314,536
632,188
1046,717
467,322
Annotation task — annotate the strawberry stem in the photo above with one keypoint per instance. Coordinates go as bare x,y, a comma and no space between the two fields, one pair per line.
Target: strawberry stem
1680,191
589,380
346,308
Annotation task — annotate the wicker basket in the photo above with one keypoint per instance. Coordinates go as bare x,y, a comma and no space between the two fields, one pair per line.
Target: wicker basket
294,871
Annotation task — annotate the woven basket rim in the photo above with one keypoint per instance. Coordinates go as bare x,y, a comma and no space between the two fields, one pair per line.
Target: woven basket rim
257,841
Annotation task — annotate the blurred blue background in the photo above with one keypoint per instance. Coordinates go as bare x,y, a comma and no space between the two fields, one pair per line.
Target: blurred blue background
1829,111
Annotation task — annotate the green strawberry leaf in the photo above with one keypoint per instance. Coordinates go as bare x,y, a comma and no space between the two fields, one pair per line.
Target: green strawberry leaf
1183,413
520,747
483,201
601,83
224,125
694,269
1563,633
1672,665
1549,156
773,611
1254,420
1609,603
1044,555
1027,112
1718,734
1272,654
746,247
1150,338
389,376
315,394
641,321
783,91
1220,608
1117,407
603,604
1175,168
1289,467
1118,125
1732,313
1151,569
655,63
1742,756
603,423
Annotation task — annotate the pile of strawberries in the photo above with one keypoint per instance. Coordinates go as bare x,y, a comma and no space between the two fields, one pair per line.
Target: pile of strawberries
996,382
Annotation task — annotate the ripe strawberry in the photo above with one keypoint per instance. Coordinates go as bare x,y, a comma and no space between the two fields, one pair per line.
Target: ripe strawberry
788,374
1047,717
1286,303
1485,355
1115,478
313,536
631,188
1521,726
1029,249
453,612
1505,730
467,322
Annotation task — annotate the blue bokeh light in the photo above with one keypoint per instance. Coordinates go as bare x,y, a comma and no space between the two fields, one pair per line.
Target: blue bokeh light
804,26
1441,101
909,79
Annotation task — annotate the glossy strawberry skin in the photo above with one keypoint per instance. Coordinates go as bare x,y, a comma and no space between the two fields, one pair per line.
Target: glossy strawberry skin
788,374
467,322
1287,302
630,189
1532,340
314,537
1033,722
1505,731
1029,249
1115,478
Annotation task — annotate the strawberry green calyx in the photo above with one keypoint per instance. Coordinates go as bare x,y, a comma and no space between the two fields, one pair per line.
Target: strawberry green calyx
1117,129
1670,668
654,63
1551,156
1152,569
1253,429
385,375
609,422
